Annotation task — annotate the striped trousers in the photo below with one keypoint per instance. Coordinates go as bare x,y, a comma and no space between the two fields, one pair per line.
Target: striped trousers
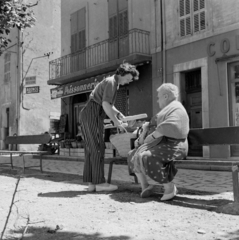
92,126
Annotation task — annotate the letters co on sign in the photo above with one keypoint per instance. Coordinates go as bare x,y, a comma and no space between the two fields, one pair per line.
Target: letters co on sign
30,90
224,46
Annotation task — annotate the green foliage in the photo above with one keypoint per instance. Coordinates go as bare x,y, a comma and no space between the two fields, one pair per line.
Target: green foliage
13,14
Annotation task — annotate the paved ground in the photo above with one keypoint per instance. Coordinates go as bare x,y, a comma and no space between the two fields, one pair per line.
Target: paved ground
191,179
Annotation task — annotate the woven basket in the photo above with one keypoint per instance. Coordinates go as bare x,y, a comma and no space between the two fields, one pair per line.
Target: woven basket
121,142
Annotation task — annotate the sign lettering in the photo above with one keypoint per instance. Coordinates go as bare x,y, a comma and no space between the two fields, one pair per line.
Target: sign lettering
30,90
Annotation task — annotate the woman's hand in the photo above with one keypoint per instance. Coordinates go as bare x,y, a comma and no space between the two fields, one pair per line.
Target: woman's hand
122,126
120,115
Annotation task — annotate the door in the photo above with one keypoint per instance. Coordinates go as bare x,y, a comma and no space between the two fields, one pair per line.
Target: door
193,105
77,108
233,88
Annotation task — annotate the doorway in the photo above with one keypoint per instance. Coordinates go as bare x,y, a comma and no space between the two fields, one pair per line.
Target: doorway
78,102
193,105
233,94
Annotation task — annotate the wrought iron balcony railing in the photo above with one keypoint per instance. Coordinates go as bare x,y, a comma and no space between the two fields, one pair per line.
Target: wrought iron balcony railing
136,41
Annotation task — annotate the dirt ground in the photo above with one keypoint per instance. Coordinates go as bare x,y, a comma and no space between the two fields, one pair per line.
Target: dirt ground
56,206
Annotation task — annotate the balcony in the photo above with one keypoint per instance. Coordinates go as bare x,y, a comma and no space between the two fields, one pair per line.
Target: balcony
101,58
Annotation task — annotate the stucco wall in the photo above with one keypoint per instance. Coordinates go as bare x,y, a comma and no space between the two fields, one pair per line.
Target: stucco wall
36,108
221,16
8,91
140,92
97,22
33,113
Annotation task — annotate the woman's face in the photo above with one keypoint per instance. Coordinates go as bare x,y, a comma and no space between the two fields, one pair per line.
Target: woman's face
126,79
162,99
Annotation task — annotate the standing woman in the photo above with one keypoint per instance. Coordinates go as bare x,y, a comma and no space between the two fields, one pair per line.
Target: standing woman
101,102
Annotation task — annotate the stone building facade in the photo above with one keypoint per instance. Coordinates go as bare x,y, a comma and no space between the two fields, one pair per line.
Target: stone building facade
25,104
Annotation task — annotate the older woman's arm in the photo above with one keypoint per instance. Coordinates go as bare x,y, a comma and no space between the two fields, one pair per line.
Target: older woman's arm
151,137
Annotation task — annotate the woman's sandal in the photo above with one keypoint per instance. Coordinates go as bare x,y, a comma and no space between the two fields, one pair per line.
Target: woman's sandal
146,192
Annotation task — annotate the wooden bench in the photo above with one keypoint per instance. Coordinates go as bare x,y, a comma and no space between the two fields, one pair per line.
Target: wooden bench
205,137
27,139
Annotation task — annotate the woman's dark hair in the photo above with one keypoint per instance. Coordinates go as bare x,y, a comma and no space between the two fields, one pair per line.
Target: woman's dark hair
126,68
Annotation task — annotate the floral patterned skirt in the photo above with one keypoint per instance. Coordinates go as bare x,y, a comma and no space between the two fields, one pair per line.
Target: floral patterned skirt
156,159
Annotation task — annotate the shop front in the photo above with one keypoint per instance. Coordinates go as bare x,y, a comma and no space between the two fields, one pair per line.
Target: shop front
207,74
134,98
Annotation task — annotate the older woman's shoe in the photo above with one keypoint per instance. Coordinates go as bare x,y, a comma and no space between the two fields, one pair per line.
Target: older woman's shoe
146,192
171,195
105,188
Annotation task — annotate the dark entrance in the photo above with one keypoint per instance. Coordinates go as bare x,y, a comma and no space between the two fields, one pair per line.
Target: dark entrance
193,105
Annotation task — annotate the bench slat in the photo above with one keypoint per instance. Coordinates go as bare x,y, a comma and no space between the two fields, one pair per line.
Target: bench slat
28,139
214,136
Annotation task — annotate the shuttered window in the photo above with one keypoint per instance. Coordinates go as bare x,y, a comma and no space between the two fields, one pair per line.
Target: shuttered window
78,30
7,65
192,17
118,18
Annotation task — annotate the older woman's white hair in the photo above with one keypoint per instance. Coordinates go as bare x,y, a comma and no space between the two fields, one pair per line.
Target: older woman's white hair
170,89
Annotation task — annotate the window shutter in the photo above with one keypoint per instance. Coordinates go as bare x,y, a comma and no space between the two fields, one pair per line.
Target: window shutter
196,22
111,28
192,16
182,27
74,32
187,7
185,17
199,17
126,22
196,5
202,4
181,8
115,27
188,26
81,40
202,21
78,30
121,24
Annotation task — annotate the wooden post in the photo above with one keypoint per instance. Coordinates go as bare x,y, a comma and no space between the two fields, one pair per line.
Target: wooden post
235,183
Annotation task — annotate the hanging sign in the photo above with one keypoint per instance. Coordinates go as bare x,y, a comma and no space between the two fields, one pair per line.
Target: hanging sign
75,88
30,90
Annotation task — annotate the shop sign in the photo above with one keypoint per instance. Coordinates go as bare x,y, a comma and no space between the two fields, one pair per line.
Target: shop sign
78,87
73,89
30,90
225,46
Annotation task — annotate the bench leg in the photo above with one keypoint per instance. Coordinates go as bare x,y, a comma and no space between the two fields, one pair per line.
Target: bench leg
23,159
11,160
136,179
41,162
110,171
235,183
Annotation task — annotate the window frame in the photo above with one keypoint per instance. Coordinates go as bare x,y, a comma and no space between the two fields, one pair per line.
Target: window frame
192,16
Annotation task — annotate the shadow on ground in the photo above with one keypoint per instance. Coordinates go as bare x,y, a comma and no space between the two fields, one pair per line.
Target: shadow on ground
128,192
42,233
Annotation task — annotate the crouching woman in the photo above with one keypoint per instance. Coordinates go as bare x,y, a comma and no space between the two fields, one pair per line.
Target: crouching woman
156,150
